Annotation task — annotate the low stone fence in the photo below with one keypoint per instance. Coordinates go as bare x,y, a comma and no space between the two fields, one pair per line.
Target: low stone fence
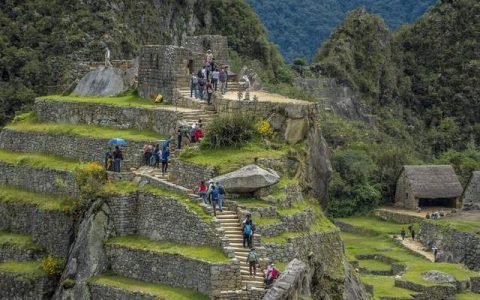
292,283
104,292
15,286
41,180
446,292
82,148
298,221
173,269
162,121
161,218
397,217
10,252
51,229
250,294
189,174
456,246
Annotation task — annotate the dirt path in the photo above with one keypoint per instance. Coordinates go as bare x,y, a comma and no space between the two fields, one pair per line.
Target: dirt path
416,247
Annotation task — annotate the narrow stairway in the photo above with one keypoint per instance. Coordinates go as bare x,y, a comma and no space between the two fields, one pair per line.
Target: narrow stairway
231,225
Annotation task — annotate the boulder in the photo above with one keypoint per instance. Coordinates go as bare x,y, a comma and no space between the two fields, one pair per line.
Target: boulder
256,83
247,179
104,82
296,130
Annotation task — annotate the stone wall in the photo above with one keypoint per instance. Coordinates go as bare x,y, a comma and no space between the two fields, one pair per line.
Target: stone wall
457,246
174,269
251,294
397,217
162,121
49,228
15,286
161,218
299,221
201,43
103,292
40,180
78,147
404,194
292,283
10,252
471,195
190,175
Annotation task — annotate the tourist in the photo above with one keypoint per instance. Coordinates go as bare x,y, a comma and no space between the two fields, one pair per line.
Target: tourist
248,229
402,234
442,213
419,209
202,191
108,159
223,77
117,159
410,228
210,187
179,137
192,132
214,196
221,194
413,234
209,89
209,58
194,86
201,88
165,155
157,153
271,273
203,73
166,144
252,261
435,253
199,123
215,78
147,153
198,134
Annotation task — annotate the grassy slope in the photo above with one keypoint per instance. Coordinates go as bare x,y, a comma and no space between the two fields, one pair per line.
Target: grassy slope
38,160
130,99
28,123
43,201
29,270
205,253
18,240
159,290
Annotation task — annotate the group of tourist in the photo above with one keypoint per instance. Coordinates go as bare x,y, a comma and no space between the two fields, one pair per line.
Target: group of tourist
435,215
206,81
269,274
113,159
411,230
193,134
154,154
212,194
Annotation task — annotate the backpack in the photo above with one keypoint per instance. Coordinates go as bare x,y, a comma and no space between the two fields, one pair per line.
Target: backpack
221,190
214,194
247,229
194,80
252,257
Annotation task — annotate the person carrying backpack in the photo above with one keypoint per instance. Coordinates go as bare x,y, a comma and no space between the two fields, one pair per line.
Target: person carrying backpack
221,194
194,86
209,89
214,195
117,159
157,153
252,261
248,229
201,87
402,234
165,155
223,77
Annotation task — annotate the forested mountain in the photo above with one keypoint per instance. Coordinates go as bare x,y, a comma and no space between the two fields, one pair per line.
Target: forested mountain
300,27
41,41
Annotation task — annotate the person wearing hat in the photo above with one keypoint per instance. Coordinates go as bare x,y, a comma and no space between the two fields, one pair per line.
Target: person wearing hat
209,191
209,57
252,261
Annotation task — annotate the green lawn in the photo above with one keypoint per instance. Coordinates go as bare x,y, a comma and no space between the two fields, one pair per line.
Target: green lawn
130,99
266,221
204,253
165,292
374,265
43,201
296,207
29,124
18,240
467,296
30,270
384,286
252,203
460,225
376,225
38,160
231,159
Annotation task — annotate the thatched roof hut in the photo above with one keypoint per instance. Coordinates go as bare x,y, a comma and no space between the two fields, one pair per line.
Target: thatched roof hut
429,185
471,195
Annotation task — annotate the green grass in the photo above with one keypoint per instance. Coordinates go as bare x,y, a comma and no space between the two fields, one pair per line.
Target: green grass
130,99
85,130
159,290
460,225
376,225
296,207
374,265
25,269
42,201
38,160
18,240
253,203
204,253
266,221
467,296
231,159
281,238
281,266
384,286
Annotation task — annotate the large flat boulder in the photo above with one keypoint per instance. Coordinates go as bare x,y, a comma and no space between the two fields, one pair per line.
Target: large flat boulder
104,82
247,179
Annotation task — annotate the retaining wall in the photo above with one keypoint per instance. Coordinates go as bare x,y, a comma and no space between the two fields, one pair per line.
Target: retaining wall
174,269
41,180
14,253
103,292
82,148
162,121
190,175
16,286
292,283
397,217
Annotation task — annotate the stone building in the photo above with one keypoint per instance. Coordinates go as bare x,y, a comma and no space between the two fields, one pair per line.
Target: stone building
431,185
163,69
471,194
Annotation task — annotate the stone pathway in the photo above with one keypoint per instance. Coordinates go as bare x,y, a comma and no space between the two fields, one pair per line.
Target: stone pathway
416,247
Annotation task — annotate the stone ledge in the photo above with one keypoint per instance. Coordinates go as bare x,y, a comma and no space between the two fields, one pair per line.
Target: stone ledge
16,286
446,292
11,252
104,292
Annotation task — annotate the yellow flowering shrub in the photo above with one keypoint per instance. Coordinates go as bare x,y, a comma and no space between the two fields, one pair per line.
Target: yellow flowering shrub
264,128
52,265
91,177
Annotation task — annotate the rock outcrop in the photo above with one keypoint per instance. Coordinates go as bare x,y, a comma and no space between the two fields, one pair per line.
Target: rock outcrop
247,179
292,283
105,82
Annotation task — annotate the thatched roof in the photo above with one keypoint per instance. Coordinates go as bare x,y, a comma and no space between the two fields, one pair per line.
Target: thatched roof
433,181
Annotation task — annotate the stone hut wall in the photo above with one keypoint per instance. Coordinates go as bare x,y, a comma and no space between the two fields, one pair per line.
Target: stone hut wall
50,229
201,43
471,195
160,218
40,180
190,175
162,121
404,196
174,269
82,148
457,246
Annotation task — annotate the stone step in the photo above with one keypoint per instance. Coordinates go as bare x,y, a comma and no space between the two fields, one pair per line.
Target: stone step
227,216
247,278
227,212
252,284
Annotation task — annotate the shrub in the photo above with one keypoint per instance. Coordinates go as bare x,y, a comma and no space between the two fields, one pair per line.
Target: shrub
264,128
90,177
52,265
232,130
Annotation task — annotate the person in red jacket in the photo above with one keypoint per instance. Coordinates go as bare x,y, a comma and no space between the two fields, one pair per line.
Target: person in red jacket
198,134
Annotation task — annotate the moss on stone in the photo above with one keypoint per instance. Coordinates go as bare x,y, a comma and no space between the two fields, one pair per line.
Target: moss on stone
18,240
30,124
28,270
38,160
159,290
384,286
252,203
204,253
130,99
41,200
296,207
266,221
460,225
374,265
281,238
